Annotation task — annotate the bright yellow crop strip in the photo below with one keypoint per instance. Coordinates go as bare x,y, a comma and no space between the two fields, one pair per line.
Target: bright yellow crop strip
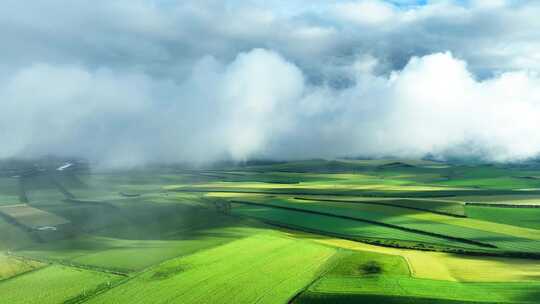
10,266
451,267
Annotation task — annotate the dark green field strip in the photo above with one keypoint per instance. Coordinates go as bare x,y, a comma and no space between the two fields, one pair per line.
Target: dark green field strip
369,221
70,264
504,182
13,237
91,203
61,188
140,214
438,224
134,245
121,257
369,237
37,181
319,166
503,205
13,221
529,218
403,289
402,203
23,198
255,177
364,193
354,230
344,298
54,284
11,191
71,180
29,233
347,166
41,189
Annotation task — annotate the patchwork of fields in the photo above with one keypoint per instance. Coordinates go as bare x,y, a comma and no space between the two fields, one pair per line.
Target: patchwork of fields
348,231
269,268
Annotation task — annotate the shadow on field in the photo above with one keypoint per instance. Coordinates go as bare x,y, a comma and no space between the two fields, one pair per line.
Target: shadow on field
530,296
164,222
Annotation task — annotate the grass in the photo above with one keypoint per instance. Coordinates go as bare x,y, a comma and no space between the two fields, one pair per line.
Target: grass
12,237
11,266
144,246
392,288
505,237
264,268
452,267
522,217
31,217
404,290
41,190
53,284
364,263
430,205
9,191
144,253
342,227
361,276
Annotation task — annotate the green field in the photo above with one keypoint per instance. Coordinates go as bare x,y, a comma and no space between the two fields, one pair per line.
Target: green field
264,268
433,227
389,289
9,191
523,217
11,266
12,236
365,277
342,227
344,231
32,218
53,284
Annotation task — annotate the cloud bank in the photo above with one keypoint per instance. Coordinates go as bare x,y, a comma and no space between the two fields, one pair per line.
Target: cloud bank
124,83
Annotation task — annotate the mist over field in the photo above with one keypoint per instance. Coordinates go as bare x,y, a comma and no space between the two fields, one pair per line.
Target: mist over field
126,82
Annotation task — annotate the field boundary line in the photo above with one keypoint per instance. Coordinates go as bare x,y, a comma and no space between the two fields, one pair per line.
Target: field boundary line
45,265
358,192
380,204
458,239
333,260
503,205
70,264
377,242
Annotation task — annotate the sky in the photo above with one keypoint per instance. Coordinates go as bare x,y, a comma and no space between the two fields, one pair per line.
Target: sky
133,81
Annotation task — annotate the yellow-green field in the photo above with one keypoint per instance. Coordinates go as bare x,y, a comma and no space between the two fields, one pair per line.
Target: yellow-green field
451,267
11,266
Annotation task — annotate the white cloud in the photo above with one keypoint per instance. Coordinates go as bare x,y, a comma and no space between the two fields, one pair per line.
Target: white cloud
131,81
489,4
370,12
259,91
219,111
435,105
